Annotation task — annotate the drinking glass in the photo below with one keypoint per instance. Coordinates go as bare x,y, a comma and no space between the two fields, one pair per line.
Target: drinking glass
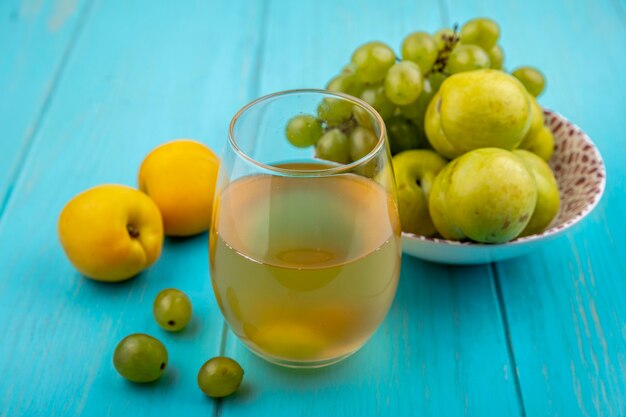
304,252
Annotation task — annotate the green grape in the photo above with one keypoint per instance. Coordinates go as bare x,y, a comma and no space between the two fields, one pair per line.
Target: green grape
496,57
349,69
346,83
403,83
441,35
333,146
467,58
372,61
532,79
140,358
375,96
363,117
416,110
172,309
421,48
402,133
220,377
334,111
304,130
362,141
436,79
481,31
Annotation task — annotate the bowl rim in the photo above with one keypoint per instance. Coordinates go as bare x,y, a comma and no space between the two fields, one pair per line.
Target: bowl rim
550,232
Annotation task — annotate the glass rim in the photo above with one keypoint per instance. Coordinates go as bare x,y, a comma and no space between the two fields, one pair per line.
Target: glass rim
325,171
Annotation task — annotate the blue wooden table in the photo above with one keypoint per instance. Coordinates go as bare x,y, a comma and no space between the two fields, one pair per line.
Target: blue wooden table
88,87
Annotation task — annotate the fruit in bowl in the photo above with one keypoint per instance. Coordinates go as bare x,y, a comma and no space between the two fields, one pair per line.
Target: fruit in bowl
470,143
478,109
487,195
580,176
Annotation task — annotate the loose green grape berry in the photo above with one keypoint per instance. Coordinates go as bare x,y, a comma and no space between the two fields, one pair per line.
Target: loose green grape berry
362,141
172,309
334,111
372,61
441,36
467,58
421,48
377,98
532,79
403,83
481,31
140,358
220,377
333,146
304,130
403,134
496,57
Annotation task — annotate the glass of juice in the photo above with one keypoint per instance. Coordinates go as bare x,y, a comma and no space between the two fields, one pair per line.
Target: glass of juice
305,251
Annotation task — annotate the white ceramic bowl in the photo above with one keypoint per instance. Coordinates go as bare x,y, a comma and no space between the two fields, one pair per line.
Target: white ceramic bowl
581,176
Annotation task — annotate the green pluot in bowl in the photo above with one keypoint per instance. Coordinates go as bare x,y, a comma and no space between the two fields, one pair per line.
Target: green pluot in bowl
415,170
548,200
478,109
487,195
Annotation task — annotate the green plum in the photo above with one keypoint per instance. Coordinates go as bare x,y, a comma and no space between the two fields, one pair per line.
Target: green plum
415,171
542,144
487,195
536,122
539,139
477,109
548,200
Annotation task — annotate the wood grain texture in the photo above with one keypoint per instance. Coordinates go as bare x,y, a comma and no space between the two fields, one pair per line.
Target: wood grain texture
35,41
565,304
140,74
442,349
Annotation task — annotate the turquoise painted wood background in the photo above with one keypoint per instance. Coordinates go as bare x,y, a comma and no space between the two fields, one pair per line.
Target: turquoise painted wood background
88,87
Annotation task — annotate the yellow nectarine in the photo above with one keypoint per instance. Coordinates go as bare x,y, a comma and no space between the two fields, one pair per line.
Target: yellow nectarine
111,232
180,177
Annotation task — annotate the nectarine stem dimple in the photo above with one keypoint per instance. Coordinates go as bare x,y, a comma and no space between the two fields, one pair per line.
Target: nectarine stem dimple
134,233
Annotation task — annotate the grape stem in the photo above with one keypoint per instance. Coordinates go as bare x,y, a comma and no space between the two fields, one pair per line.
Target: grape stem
449,42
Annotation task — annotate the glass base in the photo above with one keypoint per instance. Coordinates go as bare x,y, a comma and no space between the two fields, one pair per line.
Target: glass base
301,364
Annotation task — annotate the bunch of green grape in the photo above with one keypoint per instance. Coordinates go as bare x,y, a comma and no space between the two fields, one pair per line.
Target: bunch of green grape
400,89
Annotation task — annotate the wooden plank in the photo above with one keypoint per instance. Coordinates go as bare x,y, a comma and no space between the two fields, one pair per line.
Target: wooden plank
35,40
442,349
141,73
565,303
